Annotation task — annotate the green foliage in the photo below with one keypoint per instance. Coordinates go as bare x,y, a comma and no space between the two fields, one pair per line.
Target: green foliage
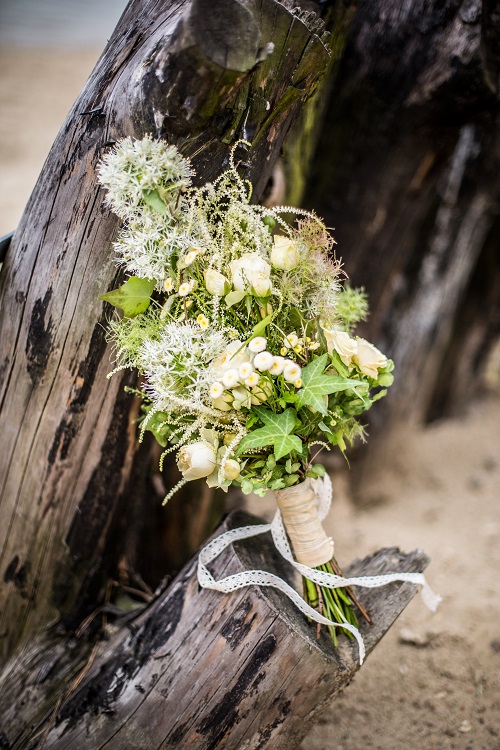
316,385
133,297
276,432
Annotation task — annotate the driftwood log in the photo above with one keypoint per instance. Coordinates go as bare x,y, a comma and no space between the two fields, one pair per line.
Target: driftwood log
412,185
73,511
79,516
200,669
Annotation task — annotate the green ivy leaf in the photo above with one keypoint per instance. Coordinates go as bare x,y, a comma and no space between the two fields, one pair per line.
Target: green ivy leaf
316,385
276,432
153,199
133,297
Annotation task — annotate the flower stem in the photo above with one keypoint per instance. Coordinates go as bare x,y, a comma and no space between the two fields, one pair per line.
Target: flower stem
336,604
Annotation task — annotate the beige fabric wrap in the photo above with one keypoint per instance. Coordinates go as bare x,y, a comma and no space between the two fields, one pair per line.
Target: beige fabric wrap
299,511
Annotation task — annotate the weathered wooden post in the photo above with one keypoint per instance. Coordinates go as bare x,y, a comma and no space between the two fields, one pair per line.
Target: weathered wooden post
72,480
413,172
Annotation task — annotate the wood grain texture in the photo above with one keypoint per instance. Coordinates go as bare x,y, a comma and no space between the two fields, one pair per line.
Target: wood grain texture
67,474
412,186
204,670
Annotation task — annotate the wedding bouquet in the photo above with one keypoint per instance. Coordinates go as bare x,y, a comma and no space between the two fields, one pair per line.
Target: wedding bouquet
241,326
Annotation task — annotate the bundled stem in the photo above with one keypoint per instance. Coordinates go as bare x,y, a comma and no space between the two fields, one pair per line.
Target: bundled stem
299,509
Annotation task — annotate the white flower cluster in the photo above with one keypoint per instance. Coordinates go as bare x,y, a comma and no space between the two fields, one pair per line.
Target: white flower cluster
136,167
241,374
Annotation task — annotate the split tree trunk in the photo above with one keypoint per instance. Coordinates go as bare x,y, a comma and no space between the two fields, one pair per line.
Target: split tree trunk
74,511
412,185
200,75
205,670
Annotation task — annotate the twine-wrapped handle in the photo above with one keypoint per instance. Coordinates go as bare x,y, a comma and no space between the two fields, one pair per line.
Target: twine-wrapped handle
299,509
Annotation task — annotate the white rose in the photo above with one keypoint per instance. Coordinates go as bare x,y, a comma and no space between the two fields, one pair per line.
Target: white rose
234,356
342,343
250,270
369,359
196,460
285,253
216,283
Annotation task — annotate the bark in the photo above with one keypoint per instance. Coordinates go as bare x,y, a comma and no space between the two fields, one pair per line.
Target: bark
71,477
206,670
412,185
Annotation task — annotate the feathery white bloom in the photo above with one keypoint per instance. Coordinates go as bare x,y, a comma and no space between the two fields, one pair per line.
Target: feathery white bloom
277,366
230,378
258,344
177,365
135,167
292,372
263,361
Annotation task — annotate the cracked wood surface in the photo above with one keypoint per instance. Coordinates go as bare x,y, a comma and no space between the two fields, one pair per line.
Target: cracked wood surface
69,441
200,669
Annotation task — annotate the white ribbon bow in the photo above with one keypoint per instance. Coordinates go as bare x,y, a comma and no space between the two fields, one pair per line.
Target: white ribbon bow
262,578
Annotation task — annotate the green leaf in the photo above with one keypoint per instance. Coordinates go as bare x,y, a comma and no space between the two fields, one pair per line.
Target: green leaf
133,297
260,328
233,298
276,432
316,385
153,199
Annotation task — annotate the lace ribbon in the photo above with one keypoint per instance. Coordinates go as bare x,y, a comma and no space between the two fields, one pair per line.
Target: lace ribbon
263,578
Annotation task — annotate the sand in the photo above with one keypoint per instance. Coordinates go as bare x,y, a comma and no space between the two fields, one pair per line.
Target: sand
434,681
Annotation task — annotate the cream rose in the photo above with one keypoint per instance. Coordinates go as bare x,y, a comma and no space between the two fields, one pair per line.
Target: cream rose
285,253
216,283
261,392
196,460
369,359
342,343
231,469
250,270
